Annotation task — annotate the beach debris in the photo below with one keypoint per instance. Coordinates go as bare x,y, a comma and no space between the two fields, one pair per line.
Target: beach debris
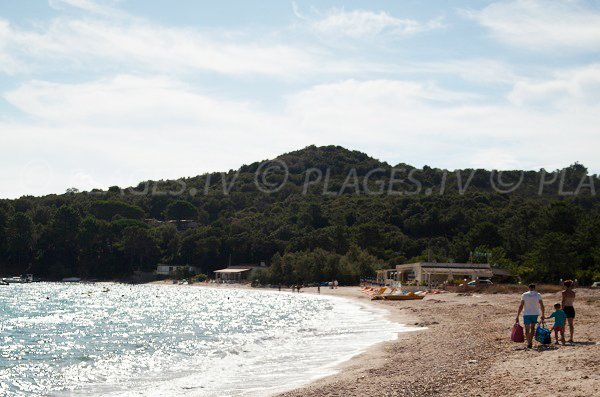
472,362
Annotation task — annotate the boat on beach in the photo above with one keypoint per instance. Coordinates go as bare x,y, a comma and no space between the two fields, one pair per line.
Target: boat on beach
18,279
408,297
392,294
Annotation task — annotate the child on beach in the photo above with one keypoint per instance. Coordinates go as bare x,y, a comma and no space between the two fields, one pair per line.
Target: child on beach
559,322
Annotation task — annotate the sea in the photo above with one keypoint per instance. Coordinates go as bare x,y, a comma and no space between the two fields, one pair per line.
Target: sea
108,339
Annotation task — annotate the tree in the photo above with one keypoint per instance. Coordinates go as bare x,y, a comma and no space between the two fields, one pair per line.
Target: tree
357,264
20,240
95,248
561,217
180,210
535,235
169,242
485,233
553,258
109,209
140,247
64,235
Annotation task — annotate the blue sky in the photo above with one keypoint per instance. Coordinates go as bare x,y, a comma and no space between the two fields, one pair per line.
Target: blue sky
95,93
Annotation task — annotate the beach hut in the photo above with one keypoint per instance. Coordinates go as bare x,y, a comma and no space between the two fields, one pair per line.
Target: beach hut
237,273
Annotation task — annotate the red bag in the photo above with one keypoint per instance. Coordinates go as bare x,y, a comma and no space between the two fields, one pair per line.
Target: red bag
517,333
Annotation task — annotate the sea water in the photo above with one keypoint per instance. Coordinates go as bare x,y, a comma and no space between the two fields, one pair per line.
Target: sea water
162,340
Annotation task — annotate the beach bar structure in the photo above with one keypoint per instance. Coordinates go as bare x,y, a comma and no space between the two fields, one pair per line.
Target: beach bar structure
237,273
438,273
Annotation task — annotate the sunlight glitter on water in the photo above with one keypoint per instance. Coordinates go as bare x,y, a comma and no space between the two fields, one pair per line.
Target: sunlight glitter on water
148,340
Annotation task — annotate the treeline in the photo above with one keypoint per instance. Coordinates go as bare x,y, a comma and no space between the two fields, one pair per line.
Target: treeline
542,229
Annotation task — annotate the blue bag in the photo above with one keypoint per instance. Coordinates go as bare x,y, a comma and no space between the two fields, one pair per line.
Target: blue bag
542,334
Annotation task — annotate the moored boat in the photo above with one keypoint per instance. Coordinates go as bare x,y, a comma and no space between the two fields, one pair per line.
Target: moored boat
18,279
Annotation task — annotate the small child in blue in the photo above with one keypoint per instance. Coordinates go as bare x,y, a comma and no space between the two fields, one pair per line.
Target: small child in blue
559,322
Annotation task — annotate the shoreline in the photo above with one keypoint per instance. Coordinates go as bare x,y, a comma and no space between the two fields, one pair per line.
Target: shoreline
371,357
466,351
374,356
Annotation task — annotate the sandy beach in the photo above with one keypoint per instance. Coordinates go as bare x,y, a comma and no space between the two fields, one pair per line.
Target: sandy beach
464,349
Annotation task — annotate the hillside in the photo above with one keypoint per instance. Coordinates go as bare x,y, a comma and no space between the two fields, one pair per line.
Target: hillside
316,213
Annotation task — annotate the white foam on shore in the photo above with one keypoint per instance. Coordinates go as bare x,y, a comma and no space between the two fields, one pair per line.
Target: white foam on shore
359,326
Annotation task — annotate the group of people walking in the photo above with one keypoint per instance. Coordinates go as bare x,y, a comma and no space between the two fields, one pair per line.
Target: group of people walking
532,307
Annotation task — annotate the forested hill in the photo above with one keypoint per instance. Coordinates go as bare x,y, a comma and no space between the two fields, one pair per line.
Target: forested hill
314,214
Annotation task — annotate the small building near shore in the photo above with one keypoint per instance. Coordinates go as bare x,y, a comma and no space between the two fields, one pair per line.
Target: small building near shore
438,273
237,273
173,270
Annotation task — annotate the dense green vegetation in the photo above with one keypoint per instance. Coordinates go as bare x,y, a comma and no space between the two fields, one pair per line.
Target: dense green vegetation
338,214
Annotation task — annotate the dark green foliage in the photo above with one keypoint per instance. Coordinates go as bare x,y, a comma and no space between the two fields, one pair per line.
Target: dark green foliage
140,247
311,233
20,240
108,209
181,209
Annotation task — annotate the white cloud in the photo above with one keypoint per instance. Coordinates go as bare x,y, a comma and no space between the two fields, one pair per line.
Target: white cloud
93,44
141,113
130,128
8,64
572,87
105,8
125,100
543,25
364,23
127,129
407,122
478,70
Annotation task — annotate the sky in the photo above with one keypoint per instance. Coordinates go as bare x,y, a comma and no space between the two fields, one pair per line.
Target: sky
95,93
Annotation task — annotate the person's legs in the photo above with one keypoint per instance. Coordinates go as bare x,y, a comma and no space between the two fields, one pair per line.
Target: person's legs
529,322
571,329
530,334
556,334
570,312
562,336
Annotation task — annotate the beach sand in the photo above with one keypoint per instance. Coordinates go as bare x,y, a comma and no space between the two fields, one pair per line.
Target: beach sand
464,349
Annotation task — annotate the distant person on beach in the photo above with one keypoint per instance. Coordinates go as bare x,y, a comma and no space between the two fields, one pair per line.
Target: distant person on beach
319,288
568,297
559,317
531,306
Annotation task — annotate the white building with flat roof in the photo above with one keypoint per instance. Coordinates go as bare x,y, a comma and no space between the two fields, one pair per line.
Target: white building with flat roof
237,273
171,270
437,273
